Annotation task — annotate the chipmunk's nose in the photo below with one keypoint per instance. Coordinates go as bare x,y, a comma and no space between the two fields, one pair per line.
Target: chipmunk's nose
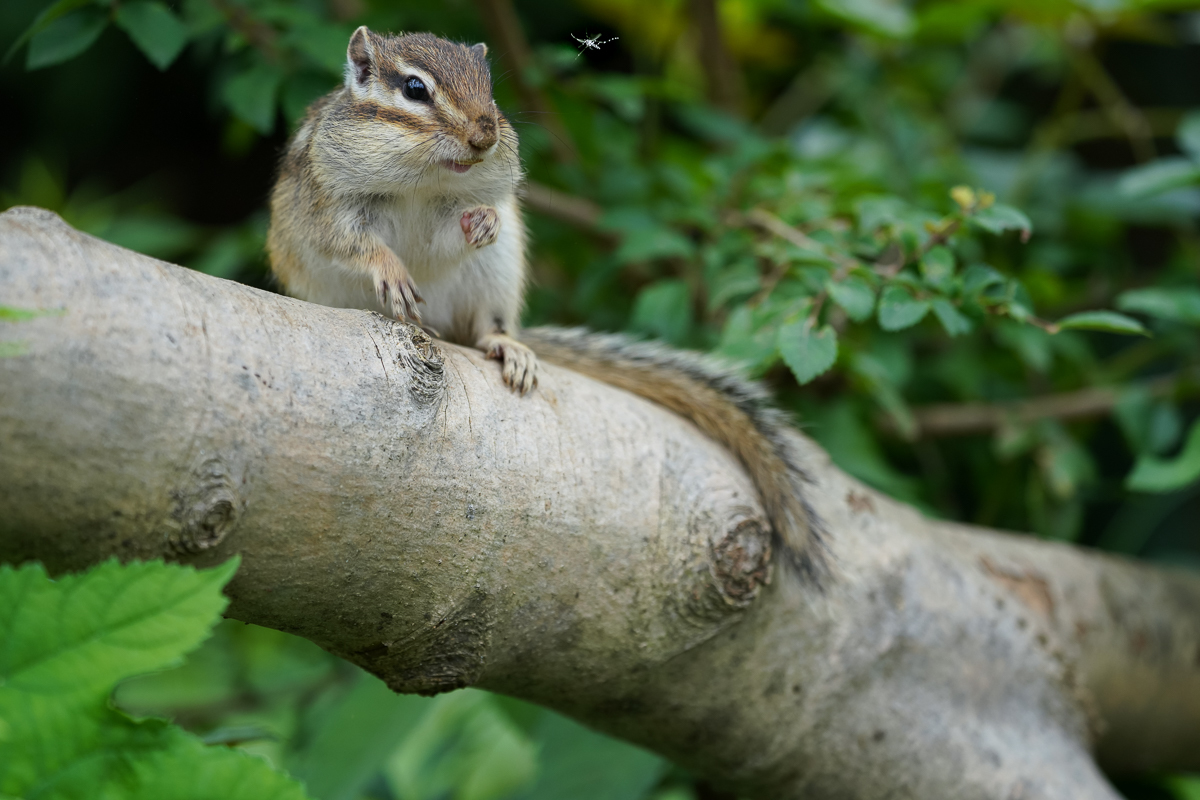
483,133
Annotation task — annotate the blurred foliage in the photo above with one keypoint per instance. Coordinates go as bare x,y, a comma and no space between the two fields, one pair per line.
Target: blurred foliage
940,229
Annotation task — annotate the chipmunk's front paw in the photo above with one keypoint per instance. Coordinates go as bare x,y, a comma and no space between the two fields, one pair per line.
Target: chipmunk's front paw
519,363
480,225
400,295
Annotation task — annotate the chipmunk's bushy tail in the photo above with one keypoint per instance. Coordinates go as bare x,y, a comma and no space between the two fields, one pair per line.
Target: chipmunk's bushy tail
732,410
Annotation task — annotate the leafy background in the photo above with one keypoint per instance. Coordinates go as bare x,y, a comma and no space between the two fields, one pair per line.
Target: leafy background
957,237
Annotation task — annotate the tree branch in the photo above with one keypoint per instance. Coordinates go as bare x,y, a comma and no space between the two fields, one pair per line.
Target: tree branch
579,547
959,419
577,211
722,78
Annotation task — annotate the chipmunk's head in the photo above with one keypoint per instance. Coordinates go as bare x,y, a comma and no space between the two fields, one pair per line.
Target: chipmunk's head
435,91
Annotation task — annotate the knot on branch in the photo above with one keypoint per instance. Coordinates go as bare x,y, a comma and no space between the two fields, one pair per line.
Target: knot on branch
740,562
420,358
447,654
205,509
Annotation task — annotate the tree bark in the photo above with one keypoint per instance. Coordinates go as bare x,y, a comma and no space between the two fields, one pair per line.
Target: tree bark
393,502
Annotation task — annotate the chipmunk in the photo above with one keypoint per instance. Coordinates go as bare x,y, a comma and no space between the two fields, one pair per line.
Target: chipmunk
400,189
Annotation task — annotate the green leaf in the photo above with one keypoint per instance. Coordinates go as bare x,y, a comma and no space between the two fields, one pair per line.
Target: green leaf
1030,343
1109,321
1000,218
155,30
1185,787
898,309
654,241
580,764
1177,304
43,20
879,372
955,323
156,235
324,43
1150,426
466,745
66,643
78,635
66,37
937,266
664,309
884,17
979,277
748,339
807,352
250,95
854,295
354,739
1188,135
1159,177
1152,474
178,766
735,282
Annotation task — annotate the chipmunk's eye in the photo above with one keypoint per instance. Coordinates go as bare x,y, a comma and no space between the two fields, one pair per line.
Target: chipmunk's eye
414,89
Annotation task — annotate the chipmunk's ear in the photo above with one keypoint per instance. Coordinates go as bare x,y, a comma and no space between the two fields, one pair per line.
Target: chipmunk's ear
479,49
360,57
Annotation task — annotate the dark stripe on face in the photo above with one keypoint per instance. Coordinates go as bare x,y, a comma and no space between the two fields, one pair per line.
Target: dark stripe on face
392,116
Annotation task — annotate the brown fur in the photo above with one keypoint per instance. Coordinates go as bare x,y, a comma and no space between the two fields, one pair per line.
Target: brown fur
732,411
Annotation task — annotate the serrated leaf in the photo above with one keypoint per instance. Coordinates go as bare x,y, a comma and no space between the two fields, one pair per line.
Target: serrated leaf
1151,474
807,351
1188,136
937,266
854,295
80,634
1109,321
156,31
1000,218
1159,177
188,770
898,309
1177,304
65,37
250,95
953,320
66,643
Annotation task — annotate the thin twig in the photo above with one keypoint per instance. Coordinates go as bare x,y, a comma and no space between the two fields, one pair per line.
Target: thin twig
960,419
722,77
1124,114
577,211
